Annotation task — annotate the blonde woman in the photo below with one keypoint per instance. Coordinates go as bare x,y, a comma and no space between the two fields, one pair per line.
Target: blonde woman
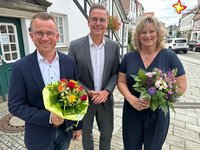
142,126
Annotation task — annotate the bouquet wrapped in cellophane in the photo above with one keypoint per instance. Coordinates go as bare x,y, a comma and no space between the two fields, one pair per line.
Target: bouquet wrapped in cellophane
66,98
160,88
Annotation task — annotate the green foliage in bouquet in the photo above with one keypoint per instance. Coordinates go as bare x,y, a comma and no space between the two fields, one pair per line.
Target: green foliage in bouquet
158,87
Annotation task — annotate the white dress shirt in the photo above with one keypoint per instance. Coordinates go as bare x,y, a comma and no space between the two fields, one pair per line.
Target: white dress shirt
50,72
97,58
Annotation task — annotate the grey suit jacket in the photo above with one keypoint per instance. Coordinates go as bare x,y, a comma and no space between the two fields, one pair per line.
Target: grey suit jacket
79,49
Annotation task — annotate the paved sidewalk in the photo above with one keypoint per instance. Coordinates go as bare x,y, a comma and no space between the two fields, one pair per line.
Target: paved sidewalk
184,131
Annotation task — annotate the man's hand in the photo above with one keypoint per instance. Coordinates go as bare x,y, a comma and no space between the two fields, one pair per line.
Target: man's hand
101,97
91,93
77,134
56,120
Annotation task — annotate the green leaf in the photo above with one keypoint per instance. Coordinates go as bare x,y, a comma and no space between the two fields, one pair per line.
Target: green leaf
153,105
54,96
164,109
171,106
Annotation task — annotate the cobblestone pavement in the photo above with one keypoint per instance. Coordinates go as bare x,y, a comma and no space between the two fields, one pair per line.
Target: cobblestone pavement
184,131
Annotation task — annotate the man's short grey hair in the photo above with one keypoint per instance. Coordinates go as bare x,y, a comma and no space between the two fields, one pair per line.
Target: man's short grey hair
98,6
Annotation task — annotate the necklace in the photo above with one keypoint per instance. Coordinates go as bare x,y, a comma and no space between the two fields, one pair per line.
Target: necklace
144,55
148,57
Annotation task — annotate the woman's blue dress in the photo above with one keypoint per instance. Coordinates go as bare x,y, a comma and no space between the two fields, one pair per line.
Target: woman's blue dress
146,126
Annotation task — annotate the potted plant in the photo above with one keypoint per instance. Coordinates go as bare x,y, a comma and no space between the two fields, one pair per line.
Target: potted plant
113,23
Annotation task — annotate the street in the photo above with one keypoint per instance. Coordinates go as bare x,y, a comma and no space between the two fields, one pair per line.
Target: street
191,54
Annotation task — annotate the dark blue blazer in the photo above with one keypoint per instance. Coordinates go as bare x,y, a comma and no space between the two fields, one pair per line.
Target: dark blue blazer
25,98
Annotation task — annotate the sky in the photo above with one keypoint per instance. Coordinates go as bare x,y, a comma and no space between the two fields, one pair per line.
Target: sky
164,10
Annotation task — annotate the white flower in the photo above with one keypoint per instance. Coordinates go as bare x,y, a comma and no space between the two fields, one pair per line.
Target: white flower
161,84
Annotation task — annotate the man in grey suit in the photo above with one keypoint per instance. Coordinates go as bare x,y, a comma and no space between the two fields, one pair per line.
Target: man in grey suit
97,59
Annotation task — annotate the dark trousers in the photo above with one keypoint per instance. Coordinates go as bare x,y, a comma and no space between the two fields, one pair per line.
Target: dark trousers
104,120
60,140
144,127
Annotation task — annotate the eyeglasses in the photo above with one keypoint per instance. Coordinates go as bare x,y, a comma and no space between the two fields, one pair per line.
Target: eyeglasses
101,20
49,34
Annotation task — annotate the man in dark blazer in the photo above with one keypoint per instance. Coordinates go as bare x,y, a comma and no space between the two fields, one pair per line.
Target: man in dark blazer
43,129
97,59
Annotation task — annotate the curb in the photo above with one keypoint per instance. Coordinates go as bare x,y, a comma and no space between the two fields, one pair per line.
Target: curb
191,60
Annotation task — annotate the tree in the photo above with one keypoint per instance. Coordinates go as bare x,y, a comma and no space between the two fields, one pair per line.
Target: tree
178,33
130,43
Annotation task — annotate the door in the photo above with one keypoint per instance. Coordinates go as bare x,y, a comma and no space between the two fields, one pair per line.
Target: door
11,50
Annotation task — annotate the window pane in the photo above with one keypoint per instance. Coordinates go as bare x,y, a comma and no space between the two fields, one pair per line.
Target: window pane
6,48
7,57
3,29
60,30
13,47
61,39
14,56
59,21
10,29
12,38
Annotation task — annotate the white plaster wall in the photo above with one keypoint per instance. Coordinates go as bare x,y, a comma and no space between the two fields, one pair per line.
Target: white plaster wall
76,22
76,26
29,46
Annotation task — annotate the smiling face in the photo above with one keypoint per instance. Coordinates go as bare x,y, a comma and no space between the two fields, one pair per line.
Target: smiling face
148,36
44,35
98,22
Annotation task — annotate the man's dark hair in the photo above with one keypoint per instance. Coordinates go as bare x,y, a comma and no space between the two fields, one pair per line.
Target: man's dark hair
42,16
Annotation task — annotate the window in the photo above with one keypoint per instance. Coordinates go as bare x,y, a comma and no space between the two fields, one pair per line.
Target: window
61,24
59,21
125,35
9,42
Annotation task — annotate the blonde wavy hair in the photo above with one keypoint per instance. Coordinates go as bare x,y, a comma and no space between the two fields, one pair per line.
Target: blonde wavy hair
160,44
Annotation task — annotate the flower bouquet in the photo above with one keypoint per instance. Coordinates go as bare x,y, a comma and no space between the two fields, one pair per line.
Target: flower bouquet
158,87
67,99
113,23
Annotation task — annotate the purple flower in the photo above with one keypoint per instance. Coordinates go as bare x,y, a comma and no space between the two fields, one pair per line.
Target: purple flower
151,91
149,82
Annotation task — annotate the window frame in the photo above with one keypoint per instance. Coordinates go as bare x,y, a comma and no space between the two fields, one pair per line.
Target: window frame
64,29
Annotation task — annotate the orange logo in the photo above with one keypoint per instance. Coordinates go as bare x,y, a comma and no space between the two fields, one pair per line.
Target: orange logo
179,7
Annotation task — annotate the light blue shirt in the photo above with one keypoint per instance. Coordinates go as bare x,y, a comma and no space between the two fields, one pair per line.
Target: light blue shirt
50,72
97,58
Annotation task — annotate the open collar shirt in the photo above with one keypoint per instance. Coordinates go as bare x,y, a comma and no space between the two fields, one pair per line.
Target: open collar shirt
50,72
97,57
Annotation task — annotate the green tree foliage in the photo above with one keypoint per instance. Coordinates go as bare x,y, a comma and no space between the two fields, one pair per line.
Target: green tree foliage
130,42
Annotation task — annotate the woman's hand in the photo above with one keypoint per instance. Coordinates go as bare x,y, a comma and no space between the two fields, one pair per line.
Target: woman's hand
139,104
144,104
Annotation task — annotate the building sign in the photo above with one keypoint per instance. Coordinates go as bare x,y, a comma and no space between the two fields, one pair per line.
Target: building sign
4,38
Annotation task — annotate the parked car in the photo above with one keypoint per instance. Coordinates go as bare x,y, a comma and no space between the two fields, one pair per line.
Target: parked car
192,44
196,48
177,44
